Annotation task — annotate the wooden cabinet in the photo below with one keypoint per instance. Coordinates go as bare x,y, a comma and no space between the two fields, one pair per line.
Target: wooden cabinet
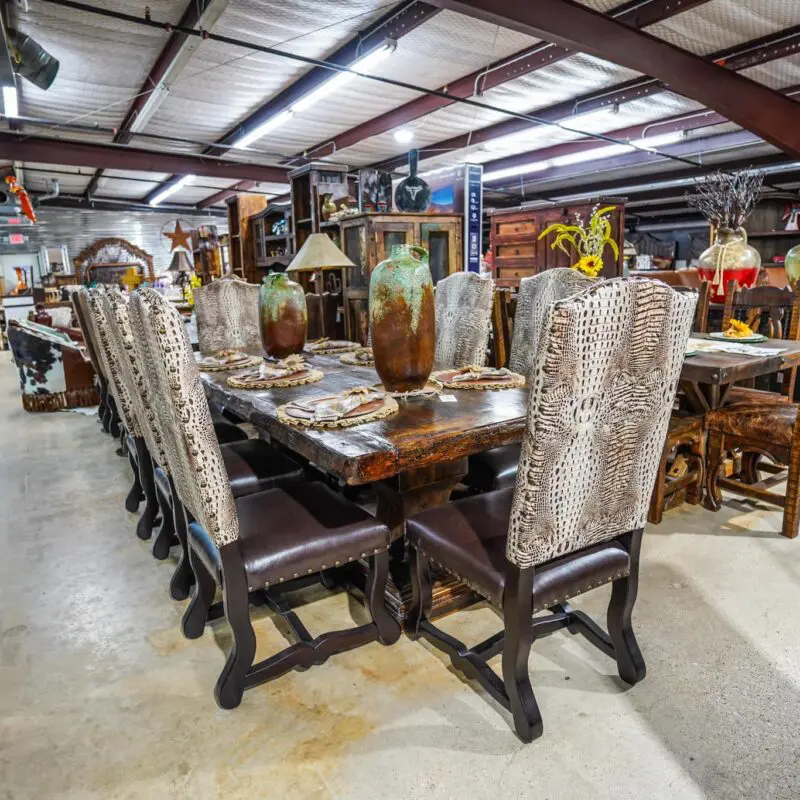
310,184
517,251
367,239
272,250
242,255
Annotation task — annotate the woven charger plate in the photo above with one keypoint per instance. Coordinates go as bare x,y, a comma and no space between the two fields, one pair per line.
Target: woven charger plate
378,409
352,358
246,361
241,380
511,381
431,388
330,347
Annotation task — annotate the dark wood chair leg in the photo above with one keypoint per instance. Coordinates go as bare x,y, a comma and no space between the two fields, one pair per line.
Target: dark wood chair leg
104,409
630,662
715,455
656,511
114,422
135,495
196,614
144,528
231,683
422,593
166,533
183,577
375,591
749,470
517,616
791,508
697,460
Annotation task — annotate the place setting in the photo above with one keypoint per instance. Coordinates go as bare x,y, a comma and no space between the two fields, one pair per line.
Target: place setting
225,360
270,374
479,378
355,406
330,347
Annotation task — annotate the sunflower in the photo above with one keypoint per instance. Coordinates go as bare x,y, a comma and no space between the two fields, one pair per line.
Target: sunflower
589,265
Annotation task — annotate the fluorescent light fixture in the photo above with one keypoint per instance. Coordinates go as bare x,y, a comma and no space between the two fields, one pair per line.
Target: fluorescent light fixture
596,153
10,104
510,172
170,190
364,64
403,135
263,129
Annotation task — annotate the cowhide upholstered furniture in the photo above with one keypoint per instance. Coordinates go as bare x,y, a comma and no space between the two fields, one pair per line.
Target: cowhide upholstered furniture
260,543
227,316
600,403
463,320
54,373
497,468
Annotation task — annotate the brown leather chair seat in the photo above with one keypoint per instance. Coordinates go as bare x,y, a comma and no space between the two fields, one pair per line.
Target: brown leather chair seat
226,431
468,537
252,466
769,423
494,469
297,530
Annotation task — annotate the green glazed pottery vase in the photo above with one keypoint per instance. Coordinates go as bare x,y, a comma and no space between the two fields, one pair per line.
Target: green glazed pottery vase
792,264
282,315
402,318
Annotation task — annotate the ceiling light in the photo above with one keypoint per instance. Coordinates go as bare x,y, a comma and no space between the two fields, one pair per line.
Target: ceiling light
170,190
364,65
263,129
404,135
10,105
510,172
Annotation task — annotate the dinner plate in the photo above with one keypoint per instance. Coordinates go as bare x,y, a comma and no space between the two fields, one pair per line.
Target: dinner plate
756,337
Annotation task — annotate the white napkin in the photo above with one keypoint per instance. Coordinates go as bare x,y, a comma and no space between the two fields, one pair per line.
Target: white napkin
290,365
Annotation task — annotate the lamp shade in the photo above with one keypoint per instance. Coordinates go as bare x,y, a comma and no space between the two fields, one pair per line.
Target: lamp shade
180,262
319,251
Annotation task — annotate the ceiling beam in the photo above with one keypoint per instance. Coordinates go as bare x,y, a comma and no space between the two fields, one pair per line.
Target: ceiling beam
396,23
115,204
222,196
748,54
634,14
755,107
173,57
74,153
675,124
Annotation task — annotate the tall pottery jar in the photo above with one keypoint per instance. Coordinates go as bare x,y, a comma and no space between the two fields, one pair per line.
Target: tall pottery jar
730,258
402,318
282,315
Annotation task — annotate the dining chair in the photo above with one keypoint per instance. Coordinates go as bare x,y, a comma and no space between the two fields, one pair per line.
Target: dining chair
105,410
227,316
463,320
497,468
251,465
600,402
130,431
775,313
258,545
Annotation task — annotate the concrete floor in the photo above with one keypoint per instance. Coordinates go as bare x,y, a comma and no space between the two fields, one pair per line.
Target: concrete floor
101,697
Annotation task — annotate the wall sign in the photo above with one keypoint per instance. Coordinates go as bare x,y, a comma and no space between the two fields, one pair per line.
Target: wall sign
473,213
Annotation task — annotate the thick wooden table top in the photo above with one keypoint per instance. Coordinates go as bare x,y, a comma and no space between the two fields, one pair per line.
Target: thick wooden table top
425,432
719,369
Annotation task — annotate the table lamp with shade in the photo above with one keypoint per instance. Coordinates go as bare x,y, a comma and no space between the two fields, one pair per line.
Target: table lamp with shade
180,267
319,253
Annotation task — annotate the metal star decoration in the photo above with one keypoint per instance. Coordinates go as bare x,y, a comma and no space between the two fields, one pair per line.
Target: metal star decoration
179,237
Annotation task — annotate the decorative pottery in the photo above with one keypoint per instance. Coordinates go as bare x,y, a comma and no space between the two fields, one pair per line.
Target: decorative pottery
412,194
730,258
403,318
328,207
792,264
282,315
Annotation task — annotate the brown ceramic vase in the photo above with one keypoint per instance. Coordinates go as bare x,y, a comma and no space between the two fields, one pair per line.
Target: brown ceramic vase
283,315
402,319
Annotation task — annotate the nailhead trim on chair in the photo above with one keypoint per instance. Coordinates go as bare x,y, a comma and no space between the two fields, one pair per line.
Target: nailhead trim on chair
542,604
325,566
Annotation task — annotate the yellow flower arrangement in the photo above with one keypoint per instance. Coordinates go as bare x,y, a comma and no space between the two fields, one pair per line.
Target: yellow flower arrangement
588,243
188,291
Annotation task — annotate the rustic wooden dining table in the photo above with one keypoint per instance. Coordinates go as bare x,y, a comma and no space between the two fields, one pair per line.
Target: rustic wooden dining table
415,458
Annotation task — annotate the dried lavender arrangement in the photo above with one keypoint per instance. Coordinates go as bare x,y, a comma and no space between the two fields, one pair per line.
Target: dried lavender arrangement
726,200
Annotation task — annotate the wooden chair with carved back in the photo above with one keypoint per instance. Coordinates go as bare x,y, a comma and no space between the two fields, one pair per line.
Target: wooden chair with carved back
256,546
759,423
575,519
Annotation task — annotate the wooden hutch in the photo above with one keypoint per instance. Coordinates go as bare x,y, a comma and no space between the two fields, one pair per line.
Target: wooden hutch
310,184
517,251
241,208
272,250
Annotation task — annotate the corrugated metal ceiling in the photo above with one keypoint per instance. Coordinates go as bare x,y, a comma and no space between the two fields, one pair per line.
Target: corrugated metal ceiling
103,63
